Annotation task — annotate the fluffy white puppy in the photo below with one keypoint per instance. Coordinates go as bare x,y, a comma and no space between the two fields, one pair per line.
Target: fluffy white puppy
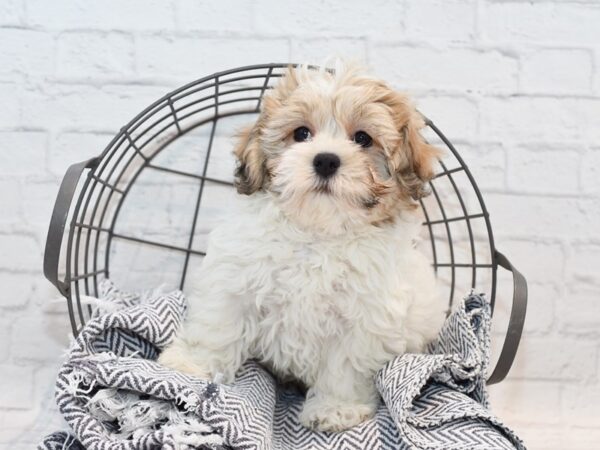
318,277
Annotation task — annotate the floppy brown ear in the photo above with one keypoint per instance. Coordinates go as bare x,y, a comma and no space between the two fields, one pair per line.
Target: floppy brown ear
250,174
413,160
422,157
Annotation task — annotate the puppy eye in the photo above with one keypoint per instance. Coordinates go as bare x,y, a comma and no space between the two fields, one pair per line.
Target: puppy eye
301,134
363,139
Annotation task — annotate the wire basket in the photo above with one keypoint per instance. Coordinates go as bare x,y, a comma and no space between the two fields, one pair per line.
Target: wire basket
143,211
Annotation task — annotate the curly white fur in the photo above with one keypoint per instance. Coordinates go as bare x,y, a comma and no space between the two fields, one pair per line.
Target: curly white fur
307,283
329,312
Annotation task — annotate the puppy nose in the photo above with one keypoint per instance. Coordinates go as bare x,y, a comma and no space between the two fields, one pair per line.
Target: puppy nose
326,164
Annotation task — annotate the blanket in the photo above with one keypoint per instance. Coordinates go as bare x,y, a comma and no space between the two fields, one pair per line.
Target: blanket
114,395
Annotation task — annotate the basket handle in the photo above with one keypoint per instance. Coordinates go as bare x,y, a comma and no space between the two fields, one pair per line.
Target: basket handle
515,323
59,220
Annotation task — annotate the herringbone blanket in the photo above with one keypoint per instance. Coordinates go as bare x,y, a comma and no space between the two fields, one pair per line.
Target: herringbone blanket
115,396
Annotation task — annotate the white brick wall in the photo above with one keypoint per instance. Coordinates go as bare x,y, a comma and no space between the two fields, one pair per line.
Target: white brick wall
516,84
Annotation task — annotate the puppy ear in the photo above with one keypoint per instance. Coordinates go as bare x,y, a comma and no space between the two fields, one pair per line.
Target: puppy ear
412,159
250,174
422,156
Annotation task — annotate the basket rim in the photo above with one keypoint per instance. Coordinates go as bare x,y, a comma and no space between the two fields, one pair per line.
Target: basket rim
160,103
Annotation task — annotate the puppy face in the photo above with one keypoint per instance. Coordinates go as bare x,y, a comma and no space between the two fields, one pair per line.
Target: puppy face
336,150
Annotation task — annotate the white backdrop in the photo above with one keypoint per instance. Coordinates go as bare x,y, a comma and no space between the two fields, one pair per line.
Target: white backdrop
514,84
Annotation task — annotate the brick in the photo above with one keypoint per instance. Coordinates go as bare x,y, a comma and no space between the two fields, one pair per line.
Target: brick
101,14
526,403
17,289
596,75
582,262
20,252
456,68
13,423
457,117
37,210
16,386
330,18
5,330
580,405
319,51
556,436
39,337
529,170
437,19
72,147
10,113
487,163
44,388
590,172
24,429
85,54
545,119
23,153
541,261
10,201
580,312
555,358
12,13
162,55
541,307
541,22
47,299
44,392
550,70
204,16
25,52
104,109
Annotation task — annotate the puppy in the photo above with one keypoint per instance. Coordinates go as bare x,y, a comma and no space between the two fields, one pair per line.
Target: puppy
317,277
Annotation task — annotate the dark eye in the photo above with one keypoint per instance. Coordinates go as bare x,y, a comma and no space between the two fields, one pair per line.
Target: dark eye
301,134
363,139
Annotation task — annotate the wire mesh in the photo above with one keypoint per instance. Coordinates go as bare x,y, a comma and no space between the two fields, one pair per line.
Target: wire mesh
176,153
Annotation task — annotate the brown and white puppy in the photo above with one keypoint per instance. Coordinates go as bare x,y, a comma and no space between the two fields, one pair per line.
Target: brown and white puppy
317,275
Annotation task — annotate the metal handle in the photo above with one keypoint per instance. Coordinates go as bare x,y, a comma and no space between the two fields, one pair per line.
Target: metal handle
515,323
59,220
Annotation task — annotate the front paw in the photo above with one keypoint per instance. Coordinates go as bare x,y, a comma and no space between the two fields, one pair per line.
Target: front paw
332,415
174,358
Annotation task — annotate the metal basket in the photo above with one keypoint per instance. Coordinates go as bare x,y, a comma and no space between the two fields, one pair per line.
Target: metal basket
458,232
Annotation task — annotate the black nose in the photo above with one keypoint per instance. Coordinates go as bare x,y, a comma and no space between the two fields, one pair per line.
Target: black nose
326,164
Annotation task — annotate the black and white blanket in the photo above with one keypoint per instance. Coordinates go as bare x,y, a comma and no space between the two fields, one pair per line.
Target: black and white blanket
114,395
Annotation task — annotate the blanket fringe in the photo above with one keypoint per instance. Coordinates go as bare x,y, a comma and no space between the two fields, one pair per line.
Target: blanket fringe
76,381
192,433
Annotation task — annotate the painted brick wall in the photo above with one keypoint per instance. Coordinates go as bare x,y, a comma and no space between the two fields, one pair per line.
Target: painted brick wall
515,82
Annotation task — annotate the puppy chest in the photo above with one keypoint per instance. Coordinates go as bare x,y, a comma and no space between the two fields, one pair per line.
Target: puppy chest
319,282
294,331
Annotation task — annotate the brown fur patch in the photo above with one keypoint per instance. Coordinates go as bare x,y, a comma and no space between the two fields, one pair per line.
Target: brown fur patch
382,180
250,173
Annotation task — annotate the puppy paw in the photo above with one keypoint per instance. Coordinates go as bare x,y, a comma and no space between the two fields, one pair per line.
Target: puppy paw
328,415
174,359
